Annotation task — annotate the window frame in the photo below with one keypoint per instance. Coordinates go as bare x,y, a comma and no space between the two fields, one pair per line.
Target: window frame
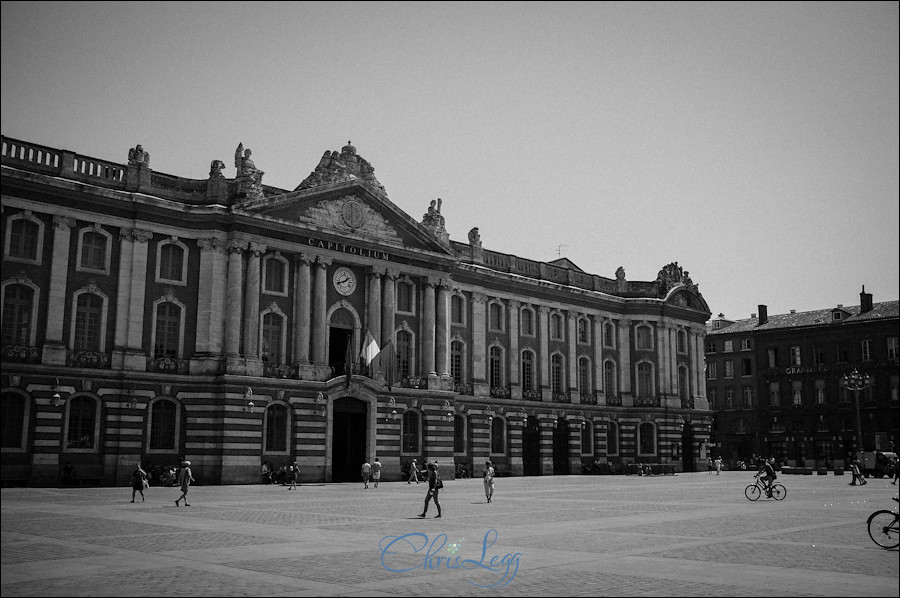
176,433
107,254
27,216
285,274
185,257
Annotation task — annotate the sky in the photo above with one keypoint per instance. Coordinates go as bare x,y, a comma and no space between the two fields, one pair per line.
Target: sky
756,144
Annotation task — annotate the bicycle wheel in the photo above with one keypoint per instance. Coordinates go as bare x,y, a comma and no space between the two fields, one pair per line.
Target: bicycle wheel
779,492
752,492
884,529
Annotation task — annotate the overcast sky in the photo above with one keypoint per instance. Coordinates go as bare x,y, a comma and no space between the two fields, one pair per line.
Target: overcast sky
755,144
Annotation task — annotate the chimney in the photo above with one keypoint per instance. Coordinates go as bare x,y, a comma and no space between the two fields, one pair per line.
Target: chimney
865,301
763,314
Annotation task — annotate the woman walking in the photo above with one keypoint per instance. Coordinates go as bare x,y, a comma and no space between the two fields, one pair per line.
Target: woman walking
488,474
434,487
184,479
138,479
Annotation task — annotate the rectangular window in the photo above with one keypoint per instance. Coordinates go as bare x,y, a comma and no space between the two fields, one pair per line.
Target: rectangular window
773,358
866,349
746,367
711,395
729,346
797,392
892,347
842,355
745,344
895,392
729,368
774,394
710,347
748,397
818,354
711,370
795,355
729,399
404,297
820,392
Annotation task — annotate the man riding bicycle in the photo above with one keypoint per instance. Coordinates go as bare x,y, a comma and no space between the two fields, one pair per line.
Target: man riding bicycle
768,473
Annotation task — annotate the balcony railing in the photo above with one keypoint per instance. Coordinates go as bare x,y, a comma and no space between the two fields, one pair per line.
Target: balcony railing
500,392
561,397
87,359
531,395
280,370
462,388
646,402
414,382
168,365
613,401
589,398
21,353
687,403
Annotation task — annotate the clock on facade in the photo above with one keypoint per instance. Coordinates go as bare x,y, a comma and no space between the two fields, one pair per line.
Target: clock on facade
344,281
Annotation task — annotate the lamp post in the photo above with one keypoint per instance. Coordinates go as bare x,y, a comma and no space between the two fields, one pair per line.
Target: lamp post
856,382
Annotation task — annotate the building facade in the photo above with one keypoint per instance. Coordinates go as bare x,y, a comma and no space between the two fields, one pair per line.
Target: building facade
777,383
148,317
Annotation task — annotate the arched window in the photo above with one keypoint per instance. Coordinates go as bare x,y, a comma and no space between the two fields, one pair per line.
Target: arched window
682,341
459,434
527,327
404,354
273,333
410,432
88,318
13,421
612,438
587,439
24,238
647,438
527,371
496,317
82,424
556,373
171,262
609,379
168,330
584,375
645,379
163,425
498,436
644,337
556,327
18,307
457,310
456,361
276,429
93,249
496,367
274,279
584,330
609,335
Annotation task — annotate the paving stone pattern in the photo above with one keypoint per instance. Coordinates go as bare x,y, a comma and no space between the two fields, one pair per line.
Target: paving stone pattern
684,535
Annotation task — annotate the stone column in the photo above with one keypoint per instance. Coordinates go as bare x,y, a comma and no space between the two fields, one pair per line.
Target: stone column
442,332
373,315
54,350
136,356
479,345
662,358
428,328
547,430
599,391
210,303
625,363
302,300
126,256
234,298
320,313
544,357
514,359
388,305
251,301
572,332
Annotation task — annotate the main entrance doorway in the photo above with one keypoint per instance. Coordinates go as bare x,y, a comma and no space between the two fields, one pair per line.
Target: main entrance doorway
349,441
561,447
531,447
687,448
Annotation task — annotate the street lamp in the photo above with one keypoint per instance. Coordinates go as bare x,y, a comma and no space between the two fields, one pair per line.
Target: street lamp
856,382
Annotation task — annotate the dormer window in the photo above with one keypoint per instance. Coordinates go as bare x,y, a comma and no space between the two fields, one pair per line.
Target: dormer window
837,315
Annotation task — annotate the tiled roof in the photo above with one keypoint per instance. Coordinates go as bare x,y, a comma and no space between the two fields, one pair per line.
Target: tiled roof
819,317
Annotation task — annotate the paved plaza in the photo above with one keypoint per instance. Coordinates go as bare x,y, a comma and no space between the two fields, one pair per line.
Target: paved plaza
686,535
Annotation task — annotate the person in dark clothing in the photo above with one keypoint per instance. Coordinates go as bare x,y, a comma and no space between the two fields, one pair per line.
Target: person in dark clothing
434,487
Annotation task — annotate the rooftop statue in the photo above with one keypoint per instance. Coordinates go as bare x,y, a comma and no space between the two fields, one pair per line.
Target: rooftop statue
335,167
138,157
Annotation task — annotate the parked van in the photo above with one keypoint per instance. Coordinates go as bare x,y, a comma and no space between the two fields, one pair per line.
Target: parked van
877,464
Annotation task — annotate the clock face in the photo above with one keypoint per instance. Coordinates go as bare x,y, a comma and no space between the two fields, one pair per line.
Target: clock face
344,281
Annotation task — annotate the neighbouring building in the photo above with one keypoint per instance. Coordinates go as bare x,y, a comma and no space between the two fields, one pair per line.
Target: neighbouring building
148,317
777,386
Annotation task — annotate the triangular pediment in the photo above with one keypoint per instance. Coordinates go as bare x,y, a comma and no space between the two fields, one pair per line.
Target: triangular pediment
350,209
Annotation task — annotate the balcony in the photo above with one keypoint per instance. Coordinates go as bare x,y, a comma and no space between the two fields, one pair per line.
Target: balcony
646,402
87,359
589,398
614,401
500,392
413,382
561,397
21,354
531,395
168,365
462,388
687,403
280,370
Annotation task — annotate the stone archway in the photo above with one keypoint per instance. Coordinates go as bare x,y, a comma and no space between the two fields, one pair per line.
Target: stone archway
687,448
561,447
531,447
349,438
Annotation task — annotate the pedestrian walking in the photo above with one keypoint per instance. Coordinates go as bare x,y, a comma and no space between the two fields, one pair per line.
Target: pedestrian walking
138,481
857,475
365,471
376,471
718,465
709,466
413,472
184,479
434,487
488,474
294,475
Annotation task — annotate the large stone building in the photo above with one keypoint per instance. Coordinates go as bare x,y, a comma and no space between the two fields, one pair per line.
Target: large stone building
151,317
777,383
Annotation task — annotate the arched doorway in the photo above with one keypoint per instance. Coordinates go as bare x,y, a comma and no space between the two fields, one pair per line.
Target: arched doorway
340,336
561,447
531,447
687,448
349,440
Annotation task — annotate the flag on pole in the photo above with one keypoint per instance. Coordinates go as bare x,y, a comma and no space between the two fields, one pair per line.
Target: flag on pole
369,349
386,363
348,361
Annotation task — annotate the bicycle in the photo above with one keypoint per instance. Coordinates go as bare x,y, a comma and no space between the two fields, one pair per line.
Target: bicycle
884,528
755,490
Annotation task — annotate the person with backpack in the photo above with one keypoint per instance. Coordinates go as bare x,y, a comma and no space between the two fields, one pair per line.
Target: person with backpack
434,487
